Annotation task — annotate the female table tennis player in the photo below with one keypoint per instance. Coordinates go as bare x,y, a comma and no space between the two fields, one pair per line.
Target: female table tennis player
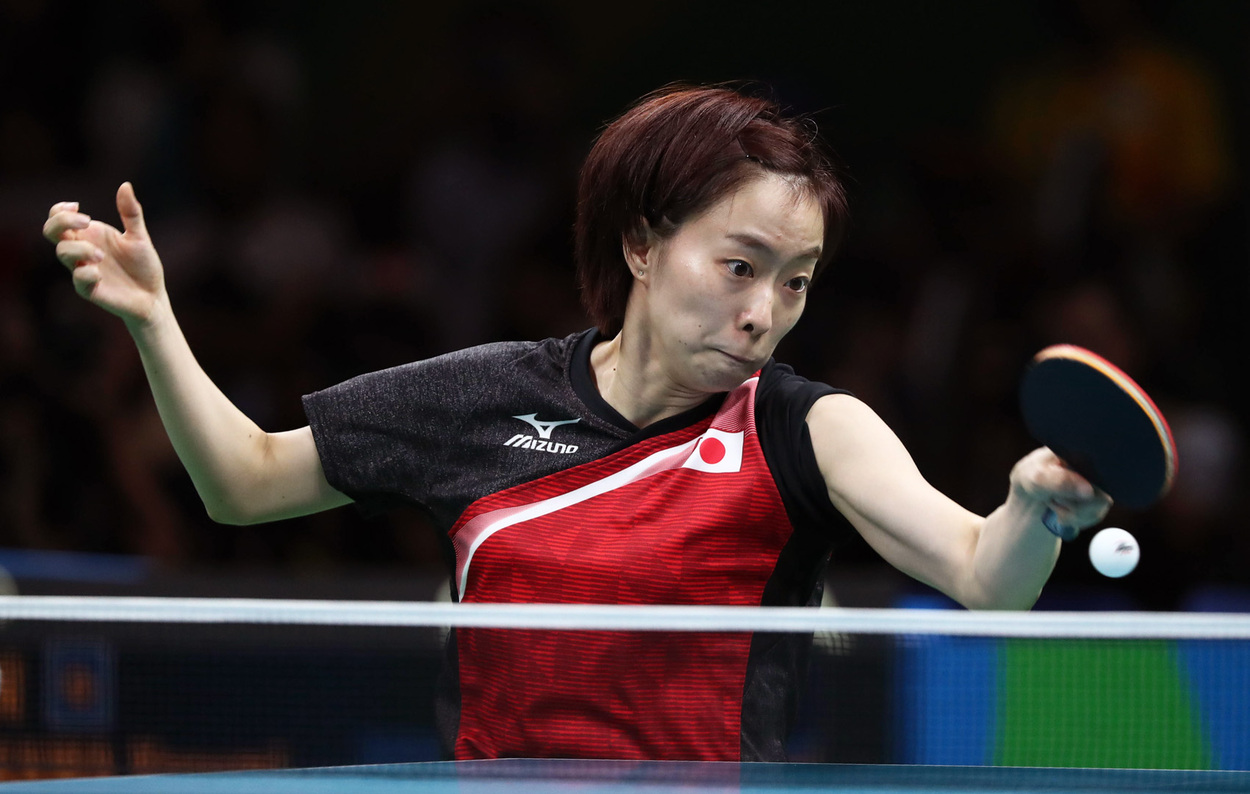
662,457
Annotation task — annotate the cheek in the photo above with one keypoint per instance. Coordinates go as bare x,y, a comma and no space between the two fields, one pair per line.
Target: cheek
691,305
788,311
689,320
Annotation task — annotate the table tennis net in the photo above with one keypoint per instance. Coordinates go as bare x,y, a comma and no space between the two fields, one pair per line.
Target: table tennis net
103,686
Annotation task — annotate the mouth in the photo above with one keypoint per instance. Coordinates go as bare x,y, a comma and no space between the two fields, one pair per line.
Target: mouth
742,360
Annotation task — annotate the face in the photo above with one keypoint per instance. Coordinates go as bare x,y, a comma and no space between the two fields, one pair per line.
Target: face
717,295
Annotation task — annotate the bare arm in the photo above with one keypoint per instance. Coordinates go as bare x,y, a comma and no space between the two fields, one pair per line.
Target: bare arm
1000,561
243,474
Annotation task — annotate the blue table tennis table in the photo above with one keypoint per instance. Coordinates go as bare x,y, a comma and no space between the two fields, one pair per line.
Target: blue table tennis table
539,776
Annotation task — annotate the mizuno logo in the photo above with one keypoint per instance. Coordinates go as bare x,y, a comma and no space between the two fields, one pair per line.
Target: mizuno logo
544,428
543,443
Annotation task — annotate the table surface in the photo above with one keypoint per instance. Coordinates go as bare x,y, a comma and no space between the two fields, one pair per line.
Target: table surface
530,776
555,777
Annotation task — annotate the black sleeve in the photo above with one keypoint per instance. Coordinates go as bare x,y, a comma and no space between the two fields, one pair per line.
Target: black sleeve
383,437
781,407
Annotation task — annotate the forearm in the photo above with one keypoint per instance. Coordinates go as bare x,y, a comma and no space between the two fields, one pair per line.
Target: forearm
998,562
222,449
1014,556
1015,553
243,474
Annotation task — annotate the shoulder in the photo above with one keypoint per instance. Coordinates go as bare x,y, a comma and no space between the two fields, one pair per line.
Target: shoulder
846,429
554,350
841,406
782,392
488,357
491,363
844,413
783,402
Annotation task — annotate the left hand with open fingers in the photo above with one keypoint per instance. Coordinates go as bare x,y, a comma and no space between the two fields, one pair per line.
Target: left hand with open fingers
117,269
1042,478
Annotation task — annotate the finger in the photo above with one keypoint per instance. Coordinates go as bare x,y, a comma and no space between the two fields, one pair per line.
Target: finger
1077,486
85,279
1081,513
63,206
73,252
55,228
1055,476
131,211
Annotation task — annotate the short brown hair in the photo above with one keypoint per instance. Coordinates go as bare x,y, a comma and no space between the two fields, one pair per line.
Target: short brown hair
672,155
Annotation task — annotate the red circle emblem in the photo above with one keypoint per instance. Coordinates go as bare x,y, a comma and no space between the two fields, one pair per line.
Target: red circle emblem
712,451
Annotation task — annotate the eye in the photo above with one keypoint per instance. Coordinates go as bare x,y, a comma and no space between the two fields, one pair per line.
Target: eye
740,268
799,283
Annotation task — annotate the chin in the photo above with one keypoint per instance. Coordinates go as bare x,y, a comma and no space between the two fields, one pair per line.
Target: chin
726,379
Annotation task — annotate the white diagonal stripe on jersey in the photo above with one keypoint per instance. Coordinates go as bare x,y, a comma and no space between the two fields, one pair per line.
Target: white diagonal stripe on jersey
482,527
475,531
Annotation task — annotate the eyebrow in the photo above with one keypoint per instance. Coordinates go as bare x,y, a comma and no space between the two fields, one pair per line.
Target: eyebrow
751,241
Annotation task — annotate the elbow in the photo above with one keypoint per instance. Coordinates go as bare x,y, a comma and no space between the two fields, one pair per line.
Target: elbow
225,512
222,515
979,591
1003,606
236,499
989,600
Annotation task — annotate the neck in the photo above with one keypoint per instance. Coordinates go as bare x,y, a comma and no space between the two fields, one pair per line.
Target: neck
631,379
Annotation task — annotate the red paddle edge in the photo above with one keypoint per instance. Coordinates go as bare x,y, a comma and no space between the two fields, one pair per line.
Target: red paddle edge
1130,387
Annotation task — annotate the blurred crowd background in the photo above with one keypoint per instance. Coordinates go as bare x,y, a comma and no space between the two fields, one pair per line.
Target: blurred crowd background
336,188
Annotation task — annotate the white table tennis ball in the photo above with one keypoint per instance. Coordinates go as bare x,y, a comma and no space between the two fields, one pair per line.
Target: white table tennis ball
1114,552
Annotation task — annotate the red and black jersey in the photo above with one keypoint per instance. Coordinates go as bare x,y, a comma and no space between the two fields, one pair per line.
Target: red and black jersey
548,495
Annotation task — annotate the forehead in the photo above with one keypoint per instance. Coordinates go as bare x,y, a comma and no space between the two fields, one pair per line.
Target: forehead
776,210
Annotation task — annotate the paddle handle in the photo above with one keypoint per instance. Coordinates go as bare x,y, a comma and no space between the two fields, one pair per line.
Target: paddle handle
1063,532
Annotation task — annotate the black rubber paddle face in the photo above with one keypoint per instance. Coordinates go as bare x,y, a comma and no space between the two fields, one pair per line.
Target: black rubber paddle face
1101,423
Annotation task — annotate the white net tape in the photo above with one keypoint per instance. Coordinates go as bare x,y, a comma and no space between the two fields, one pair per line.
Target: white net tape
1139,625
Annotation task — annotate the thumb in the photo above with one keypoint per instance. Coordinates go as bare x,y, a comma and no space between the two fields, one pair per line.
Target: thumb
131,212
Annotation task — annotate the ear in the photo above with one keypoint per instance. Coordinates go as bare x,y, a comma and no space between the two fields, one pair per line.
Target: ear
639,249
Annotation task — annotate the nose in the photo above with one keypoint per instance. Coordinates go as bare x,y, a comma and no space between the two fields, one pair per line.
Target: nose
757,316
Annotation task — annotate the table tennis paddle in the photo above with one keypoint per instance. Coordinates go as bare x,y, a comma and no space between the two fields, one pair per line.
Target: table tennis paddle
1101,424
